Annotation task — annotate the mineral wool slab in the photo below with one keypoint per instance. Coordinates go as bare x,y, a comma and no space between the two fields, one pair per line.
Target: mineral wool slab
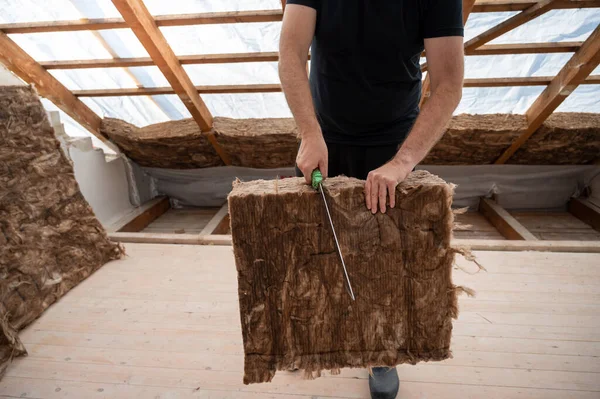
294,307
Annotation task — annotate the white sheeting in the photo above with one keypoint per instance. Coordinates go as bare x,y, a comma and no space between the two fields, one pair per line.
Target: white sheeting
558,25
516,186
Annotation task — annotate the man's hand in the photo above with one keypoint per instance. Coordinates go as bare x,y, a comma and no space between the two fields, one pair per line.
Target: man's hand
381,184
312,155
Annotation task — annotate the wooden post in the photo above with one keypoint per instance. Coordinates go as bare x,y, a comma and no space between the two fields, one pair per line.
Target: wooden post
143,25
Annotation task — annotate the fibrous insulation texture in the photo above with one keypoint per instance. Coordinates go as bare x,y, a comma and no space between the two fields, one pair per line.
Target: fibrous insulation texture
295,309
50,239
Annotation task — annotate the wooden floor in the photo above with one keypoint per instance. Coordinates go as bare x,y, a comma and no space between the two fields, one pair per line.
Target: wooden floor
164,323
475,225
556,226
544,225
182,221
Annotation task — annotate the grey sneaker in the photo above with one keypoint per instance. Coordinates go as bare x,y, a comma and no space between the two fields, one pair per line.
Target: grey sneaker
384,383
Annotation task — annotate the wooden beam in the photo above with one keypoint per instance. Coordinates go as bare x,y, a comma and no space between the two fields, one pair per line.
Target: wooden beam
585,211
163,238
161,21
526,48
139,218
511,23
213,89
520,5
25,67
467,7
276,88
216,221
144,27
473,244
526,81
481,6
521,48
506,225
228,58
575,71
540,245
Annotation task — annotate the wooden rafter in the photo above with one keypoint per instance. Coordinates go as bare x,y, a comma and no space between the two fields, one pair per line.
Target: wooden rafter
511,23
275,87
467,7
144,27
575,71
273,56
481,6
25,67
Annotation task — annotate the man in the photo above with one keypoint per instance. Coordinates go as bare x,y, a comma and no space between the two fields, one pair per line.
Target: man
359,113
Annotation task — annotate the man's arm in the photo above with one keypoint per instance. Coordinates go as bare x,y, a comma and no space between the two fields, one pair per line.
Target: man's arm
297,34
445,60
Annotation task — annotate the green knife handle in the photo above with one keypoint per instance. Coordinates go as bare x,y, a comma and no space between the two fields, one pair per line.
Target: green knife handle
317,178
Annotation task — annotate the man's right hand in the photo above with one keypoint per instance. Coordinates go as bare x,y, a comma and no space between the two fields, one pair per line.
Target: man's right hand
312,155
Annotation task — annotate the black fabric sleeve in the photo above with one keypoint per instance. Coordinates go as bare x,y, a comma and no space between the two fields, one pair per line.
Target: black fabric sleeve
309,3
443,18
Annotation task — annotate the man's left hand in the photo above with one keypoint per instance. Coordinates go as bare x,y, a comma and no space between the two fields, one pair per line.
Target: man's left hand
381,184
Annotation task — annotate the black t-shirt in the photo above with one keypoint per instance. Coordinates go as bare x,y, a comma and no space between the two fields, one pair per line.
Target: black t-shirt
365,76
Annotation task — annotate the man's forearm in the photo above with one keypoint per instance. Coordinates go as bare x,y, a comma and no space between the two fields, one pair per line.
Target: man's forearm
429,126
294,81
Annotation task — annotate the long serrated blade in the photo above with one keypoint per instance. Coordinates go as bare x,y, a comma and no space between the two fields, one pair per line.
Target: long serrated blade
337,244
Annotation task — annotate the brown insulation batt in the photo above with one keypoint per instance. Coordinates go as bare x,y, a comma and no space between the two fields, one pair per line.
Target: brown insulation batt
49,236
253,143
565,139
294,307
174,145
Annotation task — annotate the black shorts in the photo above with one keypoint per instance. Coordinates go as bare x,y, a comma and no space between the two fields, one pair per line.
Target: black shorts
356,161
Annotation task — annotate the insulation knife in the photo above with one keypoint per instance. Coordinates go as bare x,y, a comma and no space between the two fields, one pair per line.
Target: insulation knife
317,183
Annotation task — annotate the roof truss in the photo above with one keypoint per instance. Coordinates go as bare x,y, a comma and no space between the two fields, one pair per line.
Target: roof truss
145,26
575,72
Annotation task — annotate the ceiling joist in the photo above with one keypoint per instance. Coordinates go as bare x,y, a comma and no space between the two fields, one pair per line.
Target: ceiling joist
273,56
275,87
143,26
25,67
247,17
511,23
575,72
520,5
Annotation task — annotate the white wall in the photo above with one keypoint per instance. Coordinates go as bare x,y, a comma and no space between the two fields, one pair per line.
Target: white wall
8,79
103,184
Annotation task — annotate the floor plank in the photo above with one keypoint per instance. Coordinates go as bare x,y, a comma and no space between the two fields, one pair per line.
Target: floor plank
556,226
164,323
182,221
475,225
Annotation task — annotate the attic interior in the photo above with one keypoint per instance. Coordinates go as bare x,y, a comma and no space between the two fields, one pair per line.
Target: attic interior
141,115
